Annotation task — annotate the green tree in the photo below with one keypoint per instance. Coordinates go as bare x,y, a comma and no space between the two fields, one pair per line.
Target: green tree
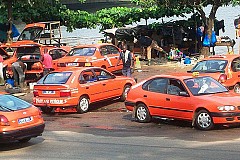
198,6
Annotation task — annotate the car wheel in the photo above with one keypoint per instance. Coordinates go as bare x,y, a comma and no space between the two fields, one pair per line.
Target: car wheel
83,105
125,92
24,140
142,114
47,110
203,120
236,88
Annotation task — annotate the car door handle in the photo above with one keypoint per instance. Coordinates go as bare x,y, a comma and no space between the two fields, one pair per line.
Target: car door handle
104,84
87,87
167,99
144,95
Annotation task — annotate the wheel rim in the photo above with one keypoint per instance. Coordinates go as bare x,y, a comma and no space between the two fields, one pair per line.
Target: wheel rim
204,120
237,89
141,113
84,104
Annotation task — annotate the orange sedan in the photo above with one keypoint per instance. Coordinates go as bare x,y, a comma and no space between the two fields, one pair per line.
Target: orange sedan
102,55
201,100
19,120
224,68
73,89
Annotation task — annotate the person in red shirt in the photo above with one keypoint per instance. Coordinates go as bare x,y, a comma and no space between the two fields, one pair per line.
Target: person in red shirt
1,71
47,62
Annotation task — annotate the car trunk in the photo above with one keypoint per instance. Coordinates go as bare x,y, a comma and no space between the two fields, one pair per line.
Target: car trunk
51,91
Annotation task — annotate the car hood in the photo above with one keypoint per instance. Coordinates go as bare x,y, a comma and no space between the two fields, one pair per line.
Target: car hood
226,98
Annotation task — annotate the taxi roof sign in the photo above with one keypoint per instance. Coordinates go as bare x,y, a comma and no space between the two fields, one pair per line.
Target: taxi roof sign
195,74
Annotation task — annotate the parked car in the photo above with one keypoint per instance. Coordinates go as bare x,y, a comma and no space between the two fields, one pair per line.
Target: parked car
102,55
31,53
199,99
19,120
73,89
224,68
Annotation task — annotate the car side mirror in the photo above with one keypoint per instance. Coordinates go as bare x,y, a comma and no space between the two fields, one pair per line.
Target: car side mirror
183,93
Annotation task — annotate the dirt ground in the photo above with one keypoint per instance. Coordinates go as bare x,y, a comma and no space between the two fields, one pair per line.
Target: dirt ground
139,73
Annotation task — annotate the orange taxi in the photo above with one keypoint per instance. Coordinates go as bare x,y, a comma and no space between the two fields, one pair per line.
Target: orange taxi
31,54
73,89
201,100
224,68
102,55
19,120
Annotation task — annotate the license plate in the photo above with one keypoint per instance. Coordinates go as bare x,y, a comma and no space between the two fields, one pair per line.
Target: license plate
25,120
72,64
48,92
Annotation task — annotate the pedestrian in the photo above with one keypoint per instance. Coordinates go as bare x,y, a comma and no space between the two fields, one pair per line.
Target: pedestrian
1,71
126,58
19,69
47,62
146,41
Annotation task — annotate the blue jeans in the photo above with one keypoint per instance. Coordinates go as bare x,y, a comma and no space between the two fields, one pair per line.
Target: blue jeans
126,72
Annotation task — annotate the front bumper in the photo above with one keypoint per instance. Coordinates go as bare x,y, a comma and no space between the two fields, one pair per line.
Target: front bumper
225,118
19,134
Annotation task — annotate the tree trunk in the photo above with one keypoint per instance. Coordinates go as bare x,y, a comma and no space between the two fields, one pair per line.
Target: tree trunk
9,32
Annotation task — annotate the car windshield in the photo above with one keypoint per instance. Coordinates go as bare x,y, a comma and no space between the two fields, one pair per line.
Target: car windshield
210,66
30,33
55,78
82,51
11,103
204,85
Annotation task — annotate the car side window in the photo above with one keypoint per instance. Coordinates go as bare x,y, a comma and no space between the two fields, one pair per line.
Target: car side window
156,85
57,53
113,49
236,65
104,51
175,87
102,74
87,77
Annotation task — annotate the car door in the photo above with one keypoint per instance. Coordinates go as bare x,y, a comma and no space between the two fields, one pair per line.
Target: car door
110,87
154,95
90,86
113,57
178,106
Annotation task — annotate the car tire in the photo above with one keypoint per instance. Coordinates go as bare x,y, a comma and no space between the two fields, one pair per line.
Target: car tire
47,110
142,114
83,105
203,120
236,88
24,140
125,92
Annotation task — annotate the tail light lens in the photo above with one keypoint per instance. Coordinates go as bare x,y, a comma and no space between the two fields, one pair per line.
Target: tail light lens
65,93
4,121
40,113
35,93
222,78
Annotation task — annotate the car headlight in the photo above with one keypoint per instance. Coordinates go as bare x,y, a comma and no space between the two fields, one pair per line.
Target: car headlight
226,108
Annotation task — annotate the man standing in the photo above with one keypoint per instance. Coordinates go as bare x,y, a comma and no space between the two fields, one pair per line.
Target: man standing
126,58
1,71
19,69
47,62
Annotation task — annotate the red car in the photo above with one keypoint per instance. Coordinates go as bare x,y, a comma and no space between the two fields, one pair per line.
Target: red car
201,100
73,89
19,120
224,68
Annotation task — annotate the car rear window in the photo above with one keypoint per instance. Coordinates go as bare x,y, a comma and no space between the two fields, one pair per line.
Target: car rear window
55,78
88,51
11,103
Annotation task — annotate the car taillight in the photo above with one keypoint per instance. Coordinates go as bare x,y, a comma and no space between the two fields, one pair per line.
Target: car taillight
61,65
222,78
4,121
65,93
40,113
35,93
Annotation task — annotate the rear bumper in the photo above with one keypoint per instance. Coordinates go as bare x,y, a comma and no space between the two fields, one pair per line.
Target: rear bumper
55,102
130,105
11,136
